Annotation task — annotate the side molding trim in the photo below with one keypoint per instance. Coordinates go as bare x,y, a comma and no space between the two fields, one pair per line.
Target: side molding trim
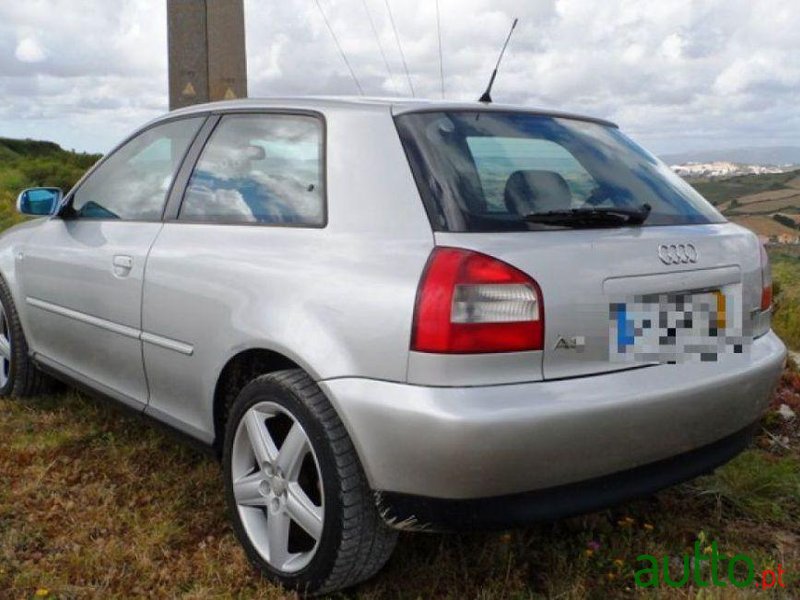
168,343
123,330
75,315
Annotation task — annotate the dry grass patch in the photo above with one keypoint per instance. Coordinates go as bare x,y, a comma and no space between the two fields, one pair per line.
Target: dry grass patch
788,192
762,225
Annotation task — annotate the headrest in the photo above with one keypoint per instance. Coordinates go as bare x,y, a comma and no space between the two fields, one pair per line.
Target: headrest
536,191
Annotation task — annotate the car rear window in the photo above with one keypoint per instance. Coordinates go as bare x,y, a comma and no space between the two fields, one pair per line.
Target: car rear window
488,170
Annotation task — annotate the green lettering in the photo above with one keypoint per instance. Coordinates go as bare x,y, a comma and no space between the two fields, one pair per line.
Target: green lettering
715,563
699,557
684,578
638,576
751,571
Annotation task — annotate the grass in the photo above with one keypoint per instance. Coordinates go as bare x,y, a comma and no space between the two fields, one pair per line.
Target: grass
786,277
759,485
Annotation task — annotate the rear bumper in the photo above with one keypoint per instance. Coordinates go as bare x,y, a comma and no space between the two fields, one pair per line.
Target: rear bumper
461,443
514,510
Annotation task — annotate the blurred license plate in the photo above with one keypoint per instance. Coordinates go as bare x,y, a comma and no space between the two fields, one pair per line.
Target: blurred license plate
677,327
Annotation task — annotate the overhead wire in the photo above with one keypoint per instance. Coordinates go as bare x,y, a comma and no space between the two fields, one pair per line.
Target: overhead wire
380,46
400,47
339,47
439,34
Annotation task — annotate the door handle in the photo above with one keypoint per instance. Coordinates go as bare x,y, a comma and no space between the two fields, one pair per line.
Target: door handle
122,265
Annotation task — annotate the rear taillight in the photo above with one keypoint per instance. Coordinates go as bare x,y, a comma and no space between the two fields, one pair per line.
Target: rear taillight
762,318
766,280
468,302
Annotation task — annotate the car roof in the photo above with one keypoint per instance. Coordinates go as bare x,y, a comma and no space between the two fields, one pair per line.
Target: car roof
395,105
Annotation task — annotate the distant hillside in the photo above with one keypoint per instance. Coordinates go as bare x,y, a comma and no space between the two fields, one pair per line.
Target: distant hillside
769,204
772,155
31,163
720,191
29,147
765,226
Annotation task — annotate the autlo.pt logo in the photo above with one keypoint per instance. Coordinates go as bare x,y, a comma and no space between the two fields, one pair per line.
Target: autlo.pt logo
739,571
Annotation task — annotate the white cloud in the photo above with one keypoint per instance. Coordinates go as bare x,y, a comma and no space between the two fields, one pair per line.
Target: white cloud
677,74
30,50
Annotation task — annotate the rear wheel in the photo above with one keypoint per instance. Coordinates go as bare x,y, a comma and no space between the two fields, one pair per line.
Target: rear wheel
298,497
18,375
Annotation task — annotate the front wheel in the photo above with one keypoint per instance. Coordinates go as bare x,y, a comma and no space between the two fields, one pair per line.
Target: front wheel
298,497
19,376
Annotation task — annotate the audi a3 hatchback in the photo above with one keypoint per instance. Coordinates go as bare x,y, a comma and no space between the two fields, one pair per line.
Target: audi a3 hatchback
397,315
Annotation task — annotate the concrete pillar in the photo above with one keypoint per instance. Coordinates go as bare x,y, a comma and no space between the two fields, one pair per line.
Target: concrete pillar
207,59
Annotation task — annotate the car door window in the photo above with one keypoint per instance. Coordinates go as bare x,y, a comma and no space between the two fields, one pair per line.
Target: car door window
265,169
132,183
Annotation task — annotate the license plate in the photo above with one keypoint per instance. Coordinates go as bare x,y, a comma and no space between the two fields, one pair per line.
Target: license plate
677,327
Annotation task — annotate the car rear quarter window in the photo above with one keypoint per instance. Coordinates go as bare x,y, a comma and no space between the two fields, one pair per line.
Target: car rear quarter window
262,169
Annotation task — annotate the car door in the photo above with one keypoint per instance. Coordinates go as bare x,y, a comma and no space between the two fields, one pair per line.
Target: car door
254,202
82,271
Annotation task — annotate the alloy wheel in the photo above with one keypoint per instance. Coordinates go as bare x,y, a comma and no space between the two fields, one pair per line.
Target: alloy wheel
277,486
5,348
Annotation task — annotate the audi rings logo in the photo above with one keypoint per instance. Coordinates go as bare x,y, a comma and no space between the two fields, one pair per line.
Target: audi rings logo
676,254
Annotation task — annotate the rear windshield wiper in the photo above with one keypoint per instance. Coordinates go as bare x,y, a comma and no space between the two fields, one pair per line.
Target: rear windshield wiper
591,217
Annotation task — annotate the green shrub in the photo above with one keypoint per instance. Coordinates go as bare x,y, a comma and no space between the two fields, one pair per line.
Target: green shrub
32,163
8,211
786,294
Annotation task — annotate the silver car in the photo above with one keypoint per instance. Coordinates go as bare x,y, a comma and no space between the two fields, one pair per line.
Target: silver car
397,315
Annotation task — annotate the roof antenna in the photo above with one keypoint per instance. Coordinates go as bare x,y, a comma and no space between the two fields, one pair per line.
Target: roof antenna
487,95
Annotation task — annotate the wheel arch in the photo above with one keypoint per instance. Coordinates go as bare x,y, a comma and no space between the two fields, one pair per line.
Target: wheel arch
12,251
239,370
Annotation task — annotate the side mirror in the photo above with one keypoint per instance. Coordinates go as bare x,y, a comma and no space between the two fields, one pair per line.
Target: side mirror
39,202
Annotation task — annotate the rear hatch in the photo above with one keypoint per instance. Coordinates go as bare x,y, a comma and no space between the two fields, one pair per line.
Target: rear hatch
583,273
544,194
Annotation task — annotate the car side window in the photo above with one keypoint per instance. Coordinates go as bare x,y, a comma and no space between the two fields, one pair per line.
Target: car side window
265,169
132,183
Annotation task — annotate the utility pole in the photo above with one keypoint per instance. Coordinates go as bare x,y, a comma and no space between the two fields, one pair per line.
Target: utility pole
207,60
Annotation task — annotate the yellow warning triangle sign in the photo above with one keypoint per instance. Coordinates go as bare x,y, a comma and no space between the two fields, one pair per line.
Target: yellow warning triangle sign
189,90
229,95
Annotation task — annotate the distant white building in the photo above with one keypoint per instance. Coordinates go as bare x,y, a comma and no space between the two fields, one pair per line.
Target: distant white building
722,169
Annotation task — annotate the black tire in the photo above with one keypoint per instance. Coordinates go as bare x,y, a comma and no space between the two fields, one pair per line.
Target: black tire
24,379
355,542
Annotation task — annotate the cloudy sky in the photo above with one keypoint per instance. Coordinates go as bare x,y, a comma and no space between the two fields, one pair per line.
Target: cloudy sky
676,74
